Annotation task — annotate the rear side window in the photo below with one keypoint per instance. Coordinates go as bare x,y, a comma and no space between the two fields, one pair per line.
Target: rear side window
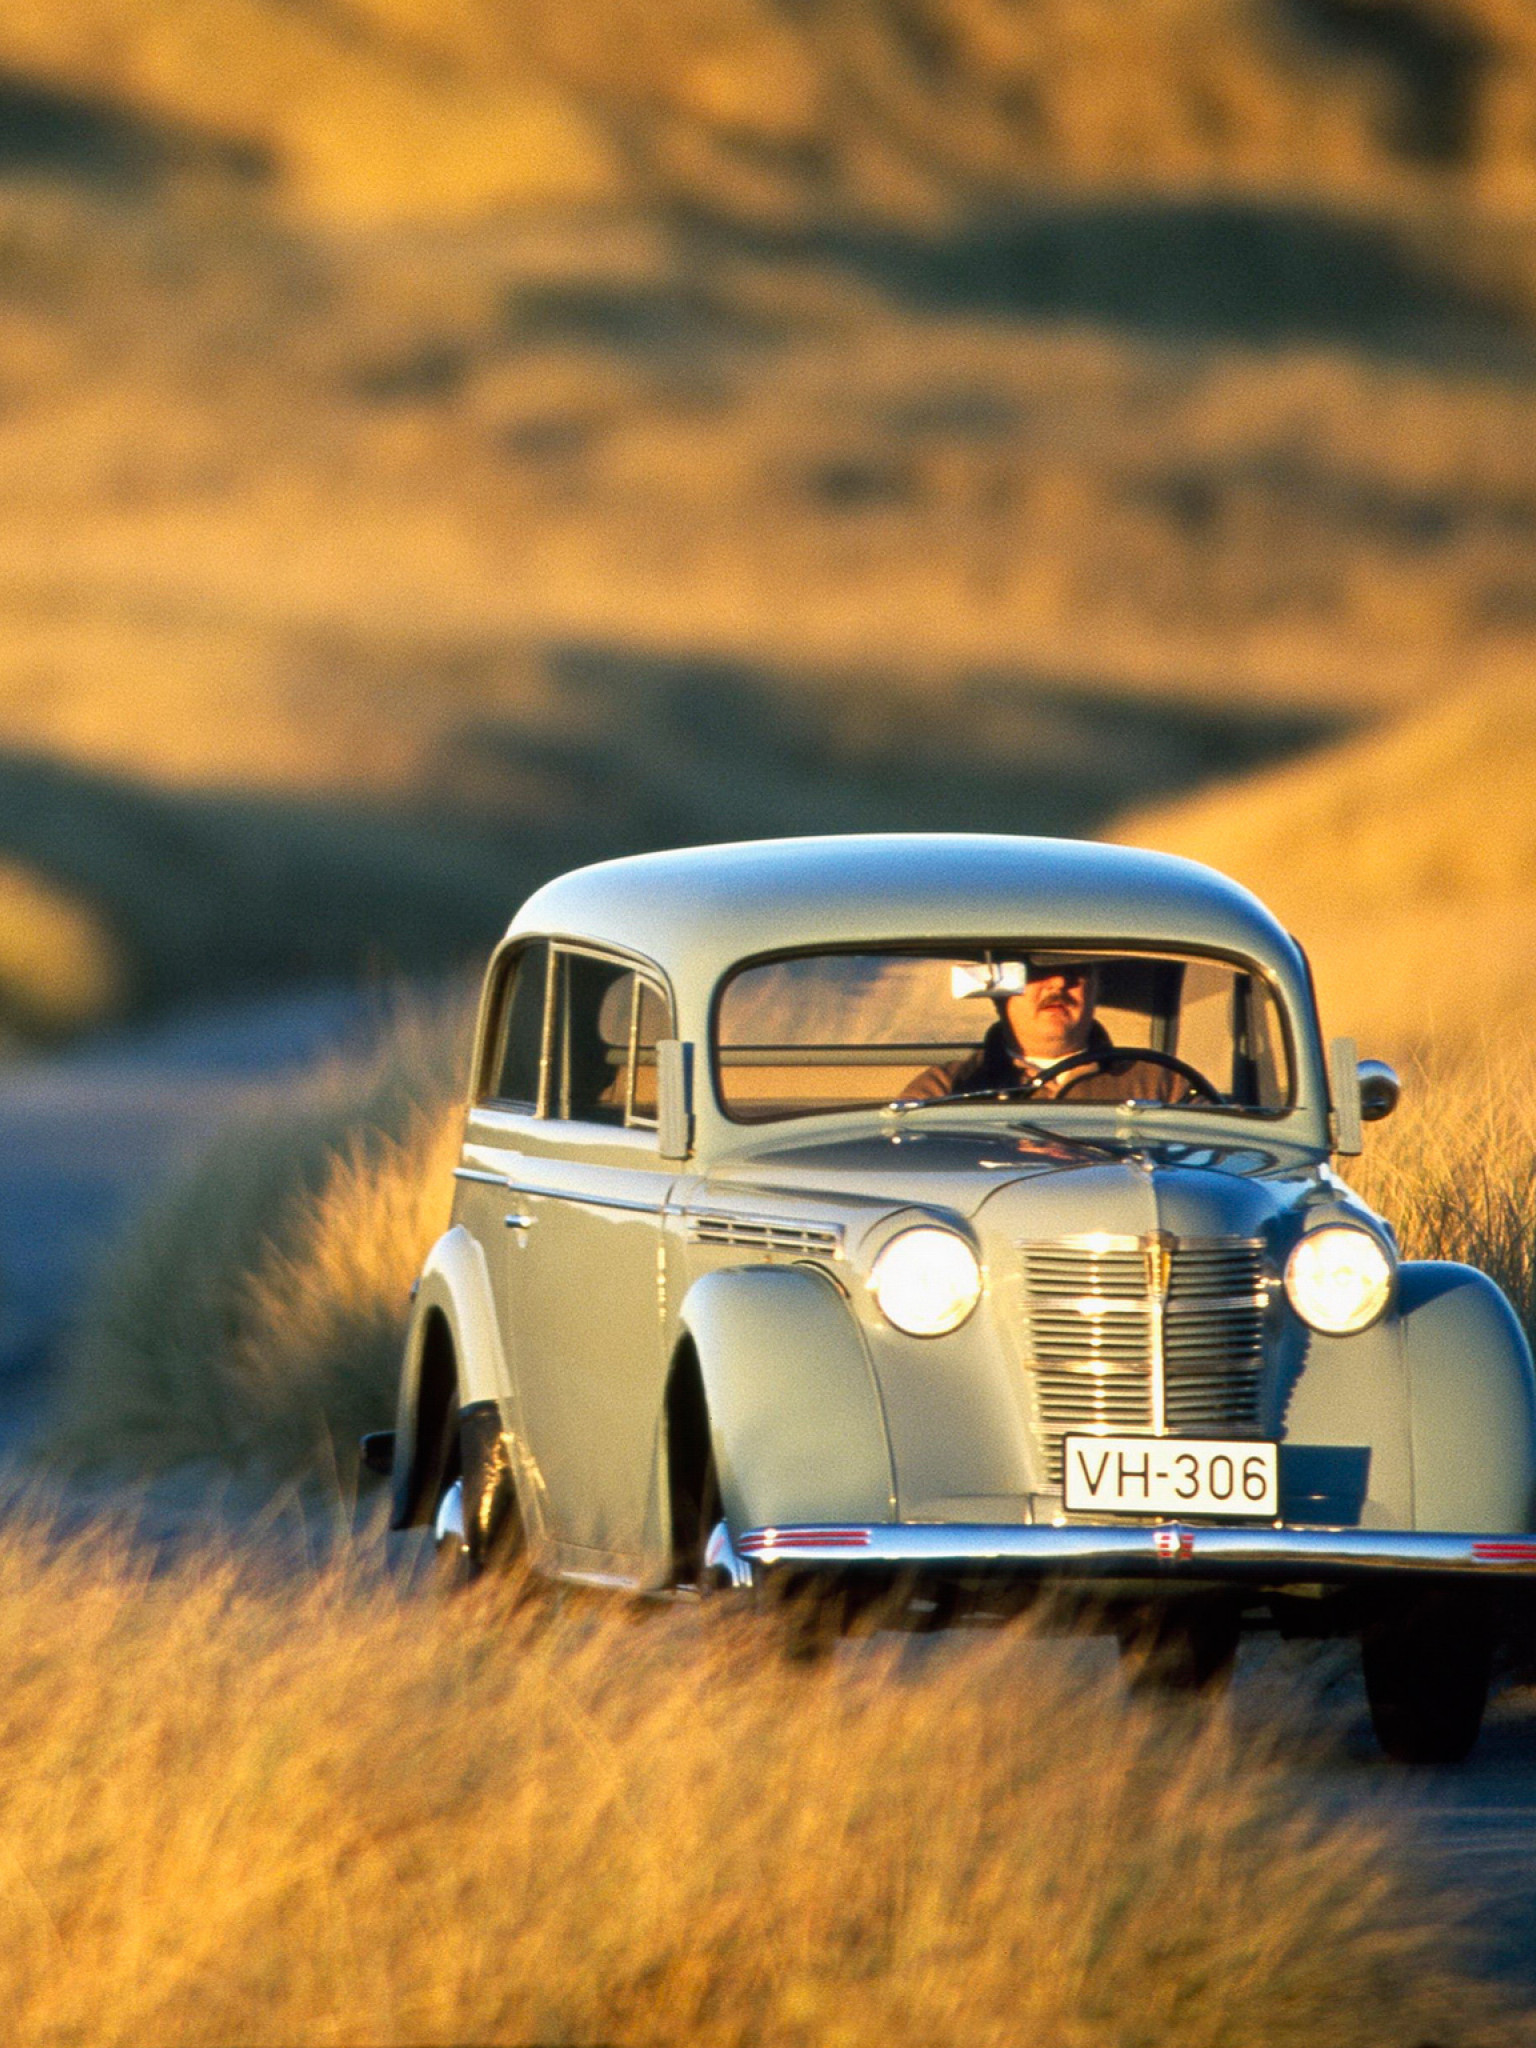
518,1032
607,1019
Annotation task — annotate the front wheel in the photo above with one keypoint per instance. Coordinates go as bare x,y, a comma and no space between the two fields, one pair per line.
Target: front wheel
1427,1663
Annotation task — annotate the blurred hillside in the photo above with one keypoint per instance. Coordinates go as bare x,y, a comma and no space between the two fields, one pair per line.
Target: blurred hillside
442,442
1406,861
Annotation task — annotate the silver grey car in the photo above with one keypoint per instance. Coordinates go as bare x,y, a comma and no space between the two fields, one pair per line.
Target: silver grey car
780,1263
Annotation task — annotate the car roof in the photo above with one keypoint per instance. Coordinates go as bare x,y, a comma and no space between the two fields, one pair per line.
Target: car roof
696,910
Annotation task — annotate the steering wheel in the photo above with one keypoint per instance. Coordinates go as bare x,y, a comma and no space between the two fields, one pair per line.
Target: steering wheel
1124,1055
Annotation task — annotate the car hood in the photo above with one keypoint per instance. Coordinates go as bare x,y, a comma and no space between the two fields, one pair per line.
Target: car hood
1051,1187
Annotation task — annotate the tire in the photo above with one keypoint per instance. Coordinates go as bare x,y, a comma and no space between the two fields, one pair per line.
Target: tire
697,1575
1183,1650
476,1526
809,1617
799,1613
1427,1662
492,1521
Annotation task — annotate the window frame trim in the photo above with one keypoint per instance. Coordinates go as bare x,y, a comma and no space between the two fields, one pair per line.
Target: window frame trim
940,949
499,975
646,972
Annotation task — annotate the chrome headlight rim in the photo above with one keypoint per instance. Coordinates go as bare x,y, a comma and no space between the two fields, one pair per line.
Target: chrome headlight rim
1376,1279
935,1296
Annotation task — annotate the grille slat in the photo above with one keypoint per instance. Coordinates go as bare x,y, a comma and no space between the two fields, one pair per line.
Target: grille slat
1092,1338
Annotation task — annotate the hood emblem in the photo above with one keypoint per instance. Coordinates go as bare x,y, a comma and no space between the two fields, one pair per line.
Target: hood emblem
1157,1252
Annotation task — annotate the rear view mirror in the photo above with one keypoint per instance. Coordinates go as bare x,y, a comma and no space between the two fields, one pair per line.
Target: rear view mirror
674,1098
1379,1090
987,978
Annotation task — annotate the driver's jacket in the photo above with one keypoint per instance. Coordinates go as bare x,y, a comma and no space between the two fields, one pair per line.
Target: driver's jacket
998,1063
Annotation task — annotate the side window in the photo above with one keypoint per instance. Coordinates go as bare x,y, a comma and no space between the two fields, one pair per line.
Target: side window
518,1033
603,1061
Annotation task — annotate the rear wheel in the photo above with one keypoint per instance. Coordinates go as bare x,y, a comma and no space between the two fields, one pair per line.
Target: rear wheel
476,1526
1427,1660
1181,1648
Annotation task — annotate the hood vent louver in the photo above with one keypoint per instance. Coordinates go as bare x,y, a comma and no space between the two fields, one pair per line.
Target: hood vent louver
767,1234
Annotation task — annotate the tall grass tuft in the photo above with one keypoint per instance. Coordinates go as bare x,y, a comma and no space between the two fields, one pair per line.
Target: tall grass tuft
510,1821
322,1312
253,1315
1455,1171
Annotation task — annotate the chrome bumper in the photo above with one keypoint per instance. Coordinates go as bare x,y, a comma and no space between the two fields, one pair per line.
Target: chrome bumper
1160,1551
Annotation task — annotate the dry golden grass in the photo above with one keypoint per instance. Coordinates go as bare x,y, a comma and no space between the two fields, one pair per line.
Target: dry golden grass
1455,1169
295,1807
321,1321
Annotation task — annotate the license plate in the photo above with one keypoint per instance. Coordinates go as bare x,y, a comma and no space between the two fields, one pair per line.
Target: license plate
1166,1475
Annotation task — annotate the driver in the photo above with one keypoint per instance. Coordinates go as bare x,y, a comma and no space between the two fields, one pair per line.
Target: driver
1049,1019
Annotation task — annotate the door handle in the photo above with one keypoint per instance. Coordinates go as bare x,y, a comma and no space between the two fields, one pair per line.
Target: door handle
519,1222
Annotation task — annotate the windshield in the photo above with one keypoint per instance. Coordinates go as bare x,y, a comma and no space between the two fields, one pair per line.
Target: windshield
814,1033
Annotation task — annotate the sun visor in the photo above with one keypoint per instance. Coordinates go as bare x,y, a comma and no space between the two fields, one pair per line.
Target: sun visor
1041,964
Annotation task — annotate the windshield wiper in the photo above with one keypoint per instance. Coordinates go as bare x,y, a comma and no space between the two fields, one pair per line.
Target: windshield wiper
904,1104
1044,1135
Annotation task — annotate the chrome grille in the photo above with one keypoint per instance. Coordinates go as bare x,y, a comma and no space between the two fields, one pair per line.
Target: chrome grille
1114,1323
1111,1400
1084,1269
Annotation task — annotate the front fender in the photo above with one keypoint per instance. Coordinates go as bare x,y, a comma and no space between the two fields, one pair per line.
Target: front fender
453,1293
1472,1401
794,1412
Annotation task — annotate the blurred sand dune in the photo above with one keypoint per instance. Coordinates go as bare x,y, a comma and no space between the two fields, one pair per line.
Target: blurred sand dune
1406,860
426,430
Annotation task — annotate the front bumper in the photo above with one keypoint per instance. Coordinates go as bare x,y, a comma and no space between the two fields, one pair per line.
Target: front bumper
1160,1552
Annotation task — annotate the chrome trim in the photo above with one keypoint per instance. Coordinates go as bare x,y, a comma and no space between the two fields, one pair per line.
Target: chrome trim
486,1180
449,1525
606,1582
1197,1550
1108,1241
723,1564
1157,1256
1093,1305
523,1187
1148,1337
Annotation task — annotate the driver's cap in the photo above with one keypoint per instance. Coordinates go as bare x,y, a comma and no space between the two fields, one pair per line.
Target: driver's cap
1040,965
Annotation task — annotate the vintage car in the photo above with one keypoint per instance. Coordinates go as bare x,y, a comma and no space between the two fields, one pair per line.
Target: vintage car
761,1276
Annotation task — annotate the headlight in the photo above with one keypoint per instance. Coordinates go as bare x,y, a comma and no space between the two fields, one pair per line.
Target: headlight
926,1281
1339,1279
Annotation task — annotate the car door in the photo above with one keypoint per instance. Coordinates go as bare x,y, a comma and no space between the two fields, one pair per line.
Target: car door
586,1190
